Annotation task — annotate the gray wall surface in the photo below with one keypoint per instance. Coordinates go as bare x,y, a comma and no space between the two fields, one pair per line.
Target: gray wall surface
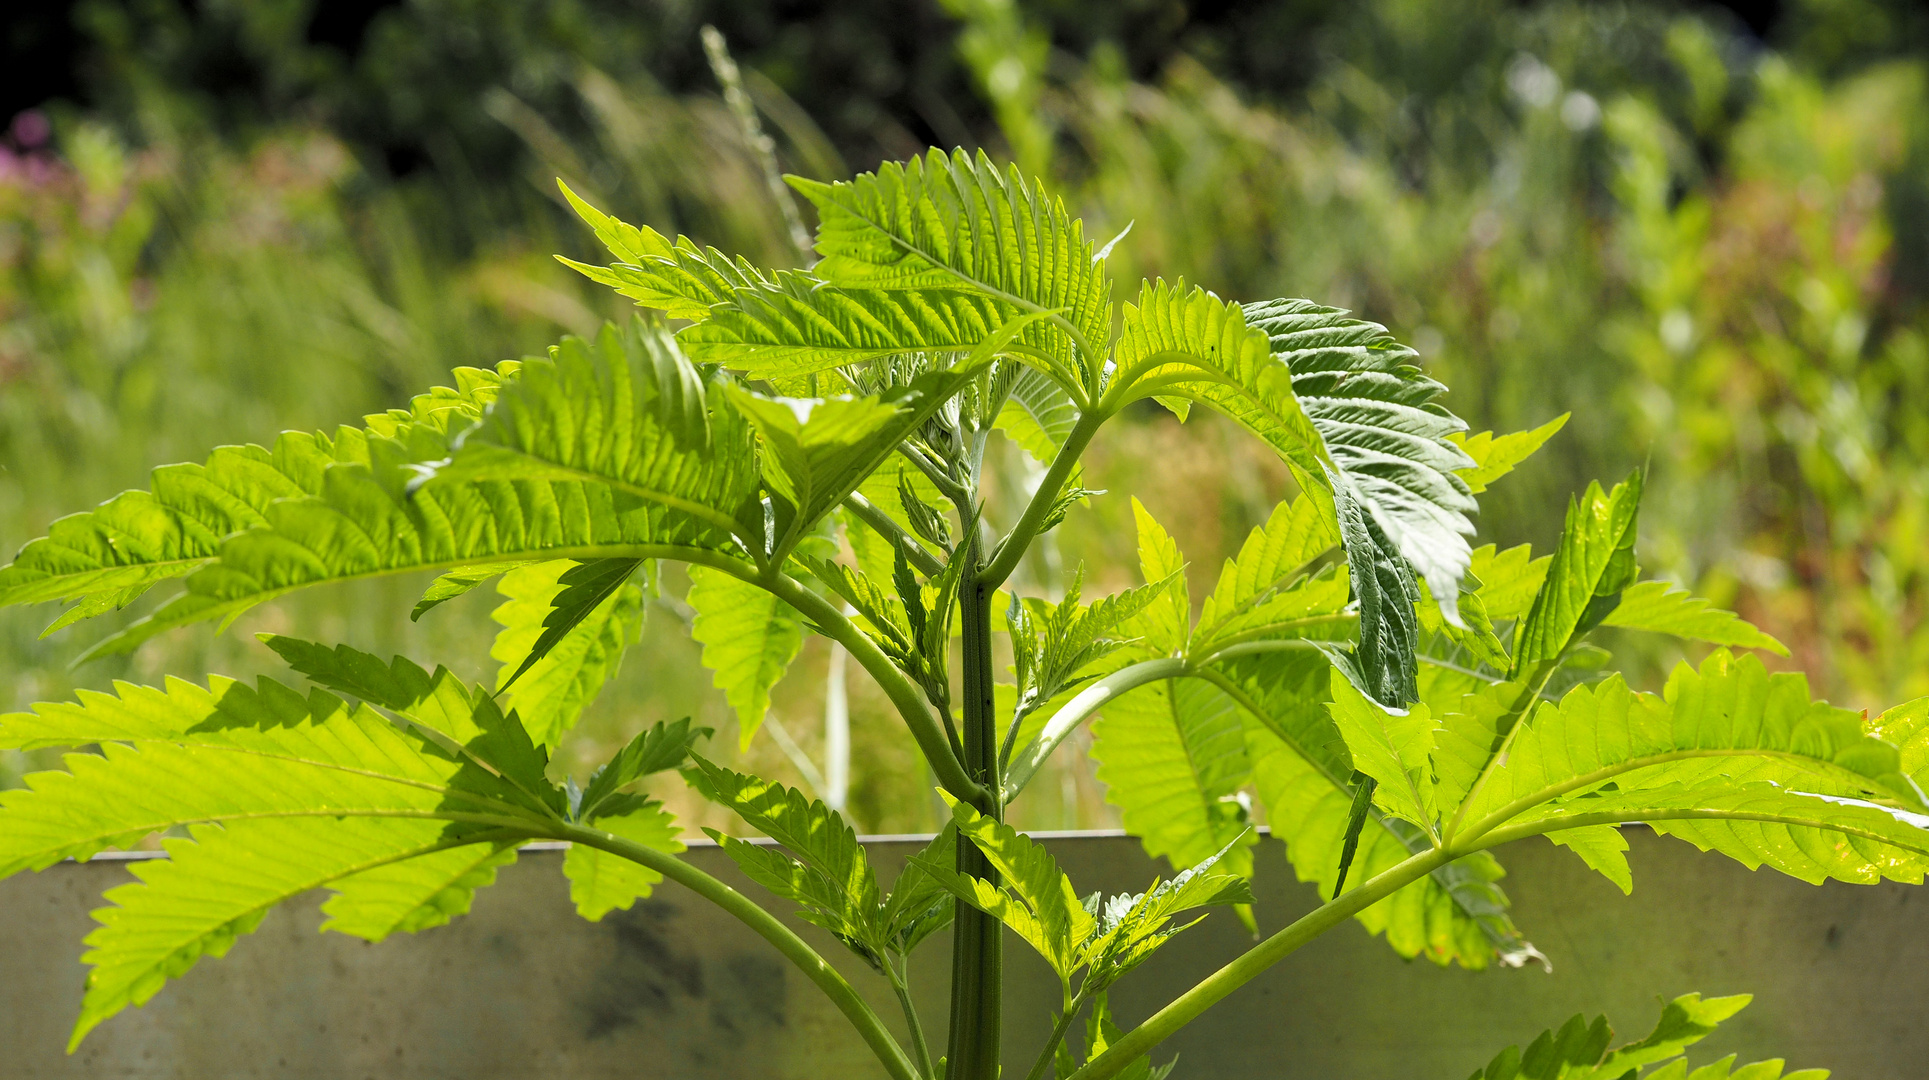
674,989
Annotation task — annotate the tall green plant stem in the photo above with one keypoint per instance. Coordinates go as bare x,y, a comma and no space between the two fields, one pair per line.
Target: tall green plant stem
818,970
1187,1007
977,939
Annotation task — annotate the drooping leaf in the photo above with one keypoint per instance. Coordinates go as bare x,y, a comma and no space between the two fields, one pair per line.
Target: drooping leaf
600,882
825,870
1495,457
414,894
1594,563
1377,417
565,626
1301,769
1603,849
1037,414
458,582
749,638
1665,609
1172,757
918,905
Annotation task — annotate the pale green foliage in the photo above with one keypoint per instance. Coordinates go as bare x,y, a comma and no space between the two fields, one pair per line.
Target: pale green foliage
1579,1050
1108,937
550,686
1399,701
749,638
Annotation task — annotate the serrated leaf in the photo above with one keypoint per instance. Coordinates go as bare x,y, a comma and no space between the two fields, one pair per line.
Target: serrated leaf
1034,897
1594,563
1037,415
1376,416
749,638
1509,580
681,279
1394,749
140,538
1295,534
1495,457
458,582
1662,608
1578,1050
660,747
1172,757
1603,849
600,882
565,626
414,894
954,225
1165,624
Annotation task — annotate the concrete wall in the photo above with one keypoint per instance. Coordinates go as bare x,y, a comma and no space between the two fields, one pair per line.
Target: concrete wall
522,988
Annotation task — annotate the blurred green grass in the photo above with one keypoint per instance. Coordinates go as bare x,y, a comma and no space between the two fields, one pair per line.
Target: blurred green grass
1711,253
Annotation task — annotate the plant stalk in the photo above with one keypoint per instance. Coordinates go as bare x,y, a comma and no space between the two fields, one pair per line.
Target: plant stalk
900,982
977,939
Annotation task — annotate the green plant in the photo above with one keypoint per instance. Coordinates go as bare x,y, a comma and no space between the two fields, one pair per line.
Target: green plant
812,446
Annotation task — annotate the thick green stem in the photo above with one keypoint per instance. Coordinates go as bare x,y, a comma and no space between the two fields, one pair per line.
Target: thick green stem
1188,1006
1082,705
767,926
977,940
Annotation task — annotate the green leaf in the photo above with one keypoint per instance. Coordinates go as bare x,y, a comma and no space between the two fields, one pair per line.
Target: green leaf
1394,749
281,794
1509,580
414,894
681,279
749,638
1665,609
953,224
625,409
1273,556
1730,722
565,626
1172,757
600,882
1301,768
816,452
825,871
455,714
1496,457
458,582
1034,898
1906,727
1377,418
1603,849
140,538
798,325
1166,623
919,905
1037,414
1579,1049
663,746
1594,563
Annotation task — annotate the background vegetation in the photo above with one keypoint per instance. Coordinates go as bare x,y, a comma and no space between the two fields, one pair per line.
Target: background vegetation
1708,239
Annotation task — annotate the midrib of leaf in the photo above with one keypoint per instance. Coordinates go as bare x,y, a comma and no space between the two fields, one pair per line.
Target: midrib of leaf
1557,822
1555,791
1260,595
694,509
992,291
